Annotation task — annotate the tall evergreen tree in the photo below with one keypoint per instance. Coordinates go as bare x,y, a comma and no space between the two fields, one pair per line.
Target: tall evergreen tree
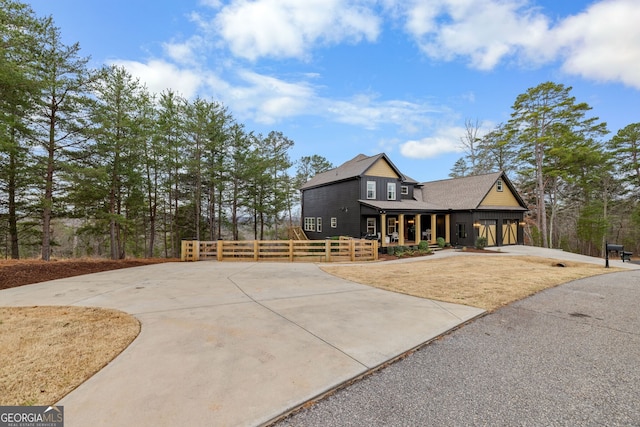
171,134
20,31
625,146
547,117
60,119
117,150
216,151
278,162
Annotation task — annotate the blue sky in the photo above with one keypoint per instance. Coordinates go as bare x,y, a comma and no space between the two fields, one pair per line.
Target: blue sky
341,78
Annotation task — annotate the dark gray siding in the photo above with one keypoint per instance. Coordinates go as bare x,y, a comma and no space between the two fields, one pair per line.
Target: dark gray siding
339,200
468,218
409,195
381,187
465,218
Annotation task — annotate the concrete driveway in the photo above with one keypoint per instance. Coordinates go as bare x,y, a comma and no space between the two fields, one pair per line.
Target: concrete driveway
232,344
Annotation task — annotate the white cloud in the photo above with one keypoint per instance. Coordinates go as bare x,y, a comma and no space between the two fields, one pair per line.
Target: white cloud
367,111
268,99
160,75
180,52
215,4
603,42
485,31
444,140
289,28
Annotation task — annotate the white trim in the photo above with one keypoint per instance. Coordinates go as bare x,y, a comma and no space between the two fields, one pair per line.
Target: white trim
371,190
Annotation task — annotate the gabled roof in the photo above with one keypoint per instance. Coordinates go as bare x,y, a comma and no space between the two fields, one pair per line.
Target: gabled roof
466,192
353,168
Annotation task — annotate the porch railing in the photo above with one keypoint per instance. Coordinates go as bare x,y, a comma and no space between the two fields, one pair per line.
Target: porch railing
281,250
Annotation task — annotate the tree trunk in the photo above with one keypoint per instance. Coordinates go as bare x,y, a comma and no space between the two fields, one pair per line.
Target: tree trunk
13,215
48,191
542,211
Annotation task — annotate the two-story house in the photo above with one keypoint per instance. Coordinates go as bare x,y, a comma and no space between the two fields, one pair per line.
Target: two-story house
369,196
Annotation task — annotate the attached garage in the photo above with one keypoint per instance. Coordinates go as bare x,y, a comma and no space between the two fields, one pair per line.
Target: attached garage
510,232
487,230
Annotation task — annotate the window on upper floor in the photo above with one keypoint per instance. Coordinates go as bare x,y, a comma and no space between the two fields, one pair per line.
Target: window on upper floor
319,225
499,185
404,190
334,222
391,191
371,190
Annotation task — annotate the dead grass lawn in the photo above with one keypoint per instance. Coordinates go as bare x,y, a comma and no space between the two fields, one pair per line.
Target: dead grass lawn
46,352
487,282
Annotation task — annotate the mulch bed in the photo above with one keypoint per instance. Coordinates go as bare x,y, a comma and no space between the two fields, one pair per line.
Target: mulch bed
387,257
26,272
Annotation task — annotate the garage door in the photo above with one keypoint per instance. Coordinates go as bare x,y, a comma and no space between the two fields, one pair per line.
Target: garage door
510,232
488,230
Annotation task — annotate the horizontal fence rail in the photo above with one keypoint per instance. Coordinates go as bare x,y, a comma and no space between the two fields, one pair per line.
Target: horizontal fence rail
281,250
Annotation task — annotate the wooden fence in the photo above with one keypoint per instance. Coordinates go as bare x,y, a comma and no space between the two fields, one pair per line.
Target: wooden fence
281,250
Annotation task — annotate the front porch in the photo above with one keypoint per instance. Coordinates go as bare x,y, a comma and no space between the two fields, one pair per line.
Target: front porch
409,229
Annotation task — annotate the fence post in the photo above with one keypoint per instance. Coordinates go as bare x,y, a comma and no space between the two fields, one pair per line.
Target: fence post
256,250
375,250
291,250
183,251
219,249
352,249
327,250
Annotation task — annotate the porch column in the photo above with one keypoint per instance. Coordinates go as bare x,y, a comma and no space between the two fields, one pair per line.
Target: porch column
401,229
433,229
447,228
383,230
418,229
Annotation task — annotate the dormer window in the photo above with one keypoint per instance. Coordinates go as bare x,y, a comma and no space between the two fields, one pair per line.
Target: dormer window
499,185
404,190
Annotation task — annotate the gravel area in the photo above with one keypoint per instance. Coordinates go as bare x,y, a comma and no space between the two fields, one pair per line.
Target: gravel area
567,356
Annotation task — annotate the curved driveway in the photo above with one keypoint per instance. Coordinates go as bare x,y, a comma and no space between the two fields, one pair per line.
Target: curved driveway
231,344
568,356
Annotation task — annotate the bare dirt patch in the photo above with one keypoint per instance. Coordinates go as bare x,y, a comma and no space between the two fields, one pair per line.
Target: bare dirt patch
487,282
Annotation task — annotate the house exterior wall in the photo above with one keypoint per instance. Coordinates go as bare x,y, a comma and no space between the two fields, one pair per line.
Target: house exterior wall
339,201
335,205
381,187
500,198
382,169
501,218
465,218
410,190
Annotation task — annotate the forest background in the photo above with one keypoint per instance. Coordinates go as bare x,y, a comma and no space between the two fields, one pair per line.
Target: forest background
93,164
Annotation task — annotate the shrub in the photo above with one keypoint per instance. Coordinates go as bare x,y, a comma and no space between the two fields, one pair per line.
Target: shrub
481,242
423,245
441,242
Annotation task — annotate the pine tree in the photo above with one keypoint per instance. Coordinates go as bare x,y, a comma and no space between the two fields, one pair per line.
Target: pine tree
544,119
60,119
